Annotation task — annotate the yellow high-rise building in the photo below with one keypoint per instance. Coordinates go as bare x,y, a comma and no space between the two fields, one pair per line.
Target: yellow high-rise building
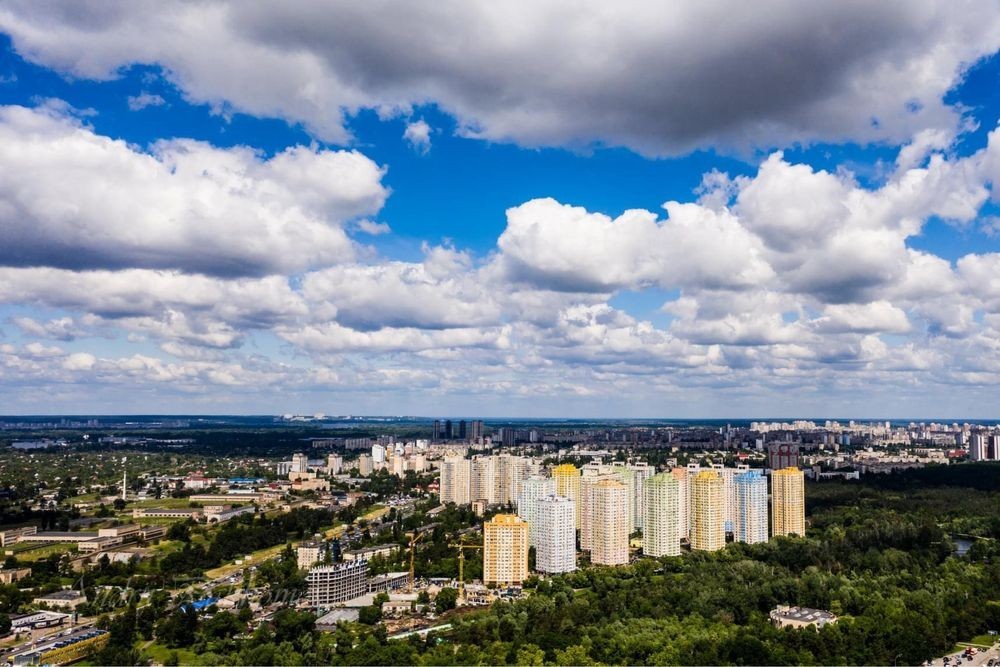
567,477
788,502
708,511
505,550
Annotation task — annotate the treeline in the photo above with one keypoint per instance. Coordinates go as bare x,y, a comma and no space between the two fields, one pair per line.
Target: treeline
243,535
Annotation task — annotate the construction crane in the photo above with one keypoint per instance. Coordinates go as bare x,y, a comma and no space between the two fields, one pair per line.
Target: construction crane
461,546
414,538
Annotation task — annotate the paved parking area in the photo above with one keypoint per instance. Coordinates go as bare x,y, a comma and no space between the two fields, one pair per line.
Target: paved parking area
980,659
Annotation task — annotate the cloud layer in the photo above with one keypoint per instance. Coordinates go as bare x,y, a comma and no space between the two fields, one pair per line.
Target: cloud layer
543,74
224,269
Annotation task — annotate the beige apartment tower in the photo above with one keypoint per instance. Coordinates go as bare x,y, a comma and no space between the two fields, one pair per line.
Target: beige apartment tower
609,523
708,511
788,502
505,550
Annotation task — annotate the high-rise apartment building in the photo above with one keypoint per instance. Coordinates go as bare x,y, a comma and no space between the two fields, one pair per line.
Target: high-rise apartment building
728,489
478,432
708,528
334,464
483,484
609,517
555,550
979,447
567,477
751,507
436,431
626,475
461,430
661,523
505,550
788,502
683,502
641,471
527,509
300,462
511,471
365,465
588,482
456,472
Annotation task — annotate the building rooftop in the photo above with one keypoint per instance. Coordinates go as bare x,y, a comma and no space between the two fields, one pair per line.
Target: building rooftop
804,614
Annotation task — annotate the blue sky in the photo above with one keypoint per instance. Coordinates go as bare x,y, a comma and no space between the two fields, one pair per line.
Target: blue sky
216,209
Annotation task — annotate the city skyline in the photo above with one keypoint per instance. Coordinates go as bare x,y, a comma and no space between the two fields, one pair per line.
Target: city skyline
283,210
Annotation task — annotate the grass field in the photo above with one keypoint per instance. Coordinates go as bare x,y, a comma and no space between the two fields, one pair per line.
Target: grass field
255,558
159,653
41,551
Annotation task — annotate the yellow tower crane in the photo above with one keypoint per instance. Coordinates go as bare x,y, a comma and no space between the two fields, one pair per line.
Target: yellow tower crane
461,546
414,538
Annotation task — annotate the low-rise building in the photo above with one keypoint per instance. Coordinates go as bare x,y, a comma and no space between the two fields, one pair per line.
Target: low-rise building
158,513
367,553
223,513
785,616
68,599
14,574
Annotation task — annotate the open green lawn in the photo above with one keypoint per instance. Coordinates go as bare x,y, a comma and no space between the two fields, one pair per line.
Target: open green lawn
41,551
256,558
159,653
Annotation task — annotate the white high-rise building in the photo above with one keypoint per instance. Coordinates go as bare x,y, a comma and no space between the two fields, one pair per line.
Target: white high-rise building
683,502
978,447
556,548
751,507
483,484
334,464
609,516
300,462
642,472
661,523
455,477
511,471
378,455
533,489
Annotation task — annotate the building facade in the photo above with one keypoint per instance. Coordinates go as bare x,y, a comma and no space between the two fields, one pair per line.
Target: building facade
505,550
533,489
331,584
751,507
455,477
555,550
661,520
788,502
708,528
567,477
609,519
